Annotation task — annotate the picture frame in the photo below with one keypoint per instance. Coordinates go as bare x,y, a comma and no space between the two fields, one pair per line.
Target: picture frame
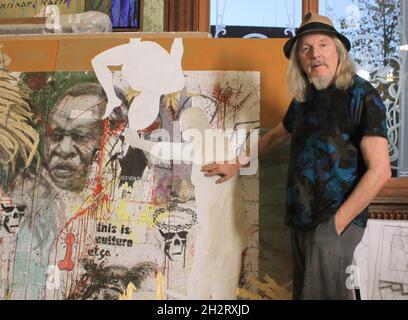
127,15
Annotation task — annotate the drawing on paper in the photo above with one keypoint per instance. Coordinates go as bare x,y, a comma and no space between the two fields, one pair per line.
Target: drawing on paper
393,277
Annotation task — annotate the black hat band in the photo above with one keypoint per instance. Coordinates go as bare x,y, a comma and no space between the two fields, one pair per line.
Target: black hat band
315,26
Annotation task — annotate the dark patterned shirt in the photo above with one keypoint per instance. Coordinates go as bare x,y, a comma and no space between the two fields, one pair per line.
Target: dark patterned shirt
326,162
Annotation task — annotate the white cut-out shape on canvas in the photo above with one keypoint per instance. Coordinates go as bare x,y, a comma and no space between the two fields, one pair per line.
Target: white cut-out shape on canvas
147,68
222,232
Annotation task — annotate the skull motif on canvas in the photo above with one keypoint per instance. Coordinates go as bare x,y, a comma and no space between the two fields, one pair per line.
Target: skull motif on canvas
173,224
11,217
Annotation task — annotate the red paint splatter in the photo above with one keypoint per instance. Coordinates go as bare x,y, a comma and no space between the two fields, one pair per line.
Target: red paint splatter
222,95
153,126
36,81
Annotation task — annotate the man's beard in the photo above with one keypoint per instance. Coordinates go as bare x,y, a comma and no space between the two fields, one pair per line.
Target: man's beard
321,83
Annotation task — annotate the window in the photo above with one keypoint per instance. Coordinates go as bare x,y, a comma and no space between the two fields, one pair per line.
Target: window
255,19
374,29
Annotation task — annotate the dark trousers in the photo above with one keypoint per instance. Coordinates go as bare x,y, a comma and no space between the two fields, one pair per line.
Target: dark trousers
321,258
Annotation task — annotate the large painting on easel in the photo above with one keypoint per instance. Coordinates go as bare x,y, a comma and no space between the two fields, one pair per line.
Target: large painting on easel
101,191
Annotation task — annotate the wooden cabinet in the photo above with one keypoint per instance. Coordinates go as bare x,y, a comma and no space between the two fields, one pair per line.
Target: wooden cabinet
187,15
391,203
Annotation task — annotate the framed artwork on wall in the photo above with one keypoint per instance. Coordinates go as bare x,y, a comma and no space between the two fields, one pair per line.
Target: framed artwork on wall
126,15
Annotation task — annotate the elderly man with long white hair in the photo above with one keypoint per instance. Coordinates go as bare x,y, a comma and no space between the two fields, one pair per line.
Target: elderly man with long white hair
338,157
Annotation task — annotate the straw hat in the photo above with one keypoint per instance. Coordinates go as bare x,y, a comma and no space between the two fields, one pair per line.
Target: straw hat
312,23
